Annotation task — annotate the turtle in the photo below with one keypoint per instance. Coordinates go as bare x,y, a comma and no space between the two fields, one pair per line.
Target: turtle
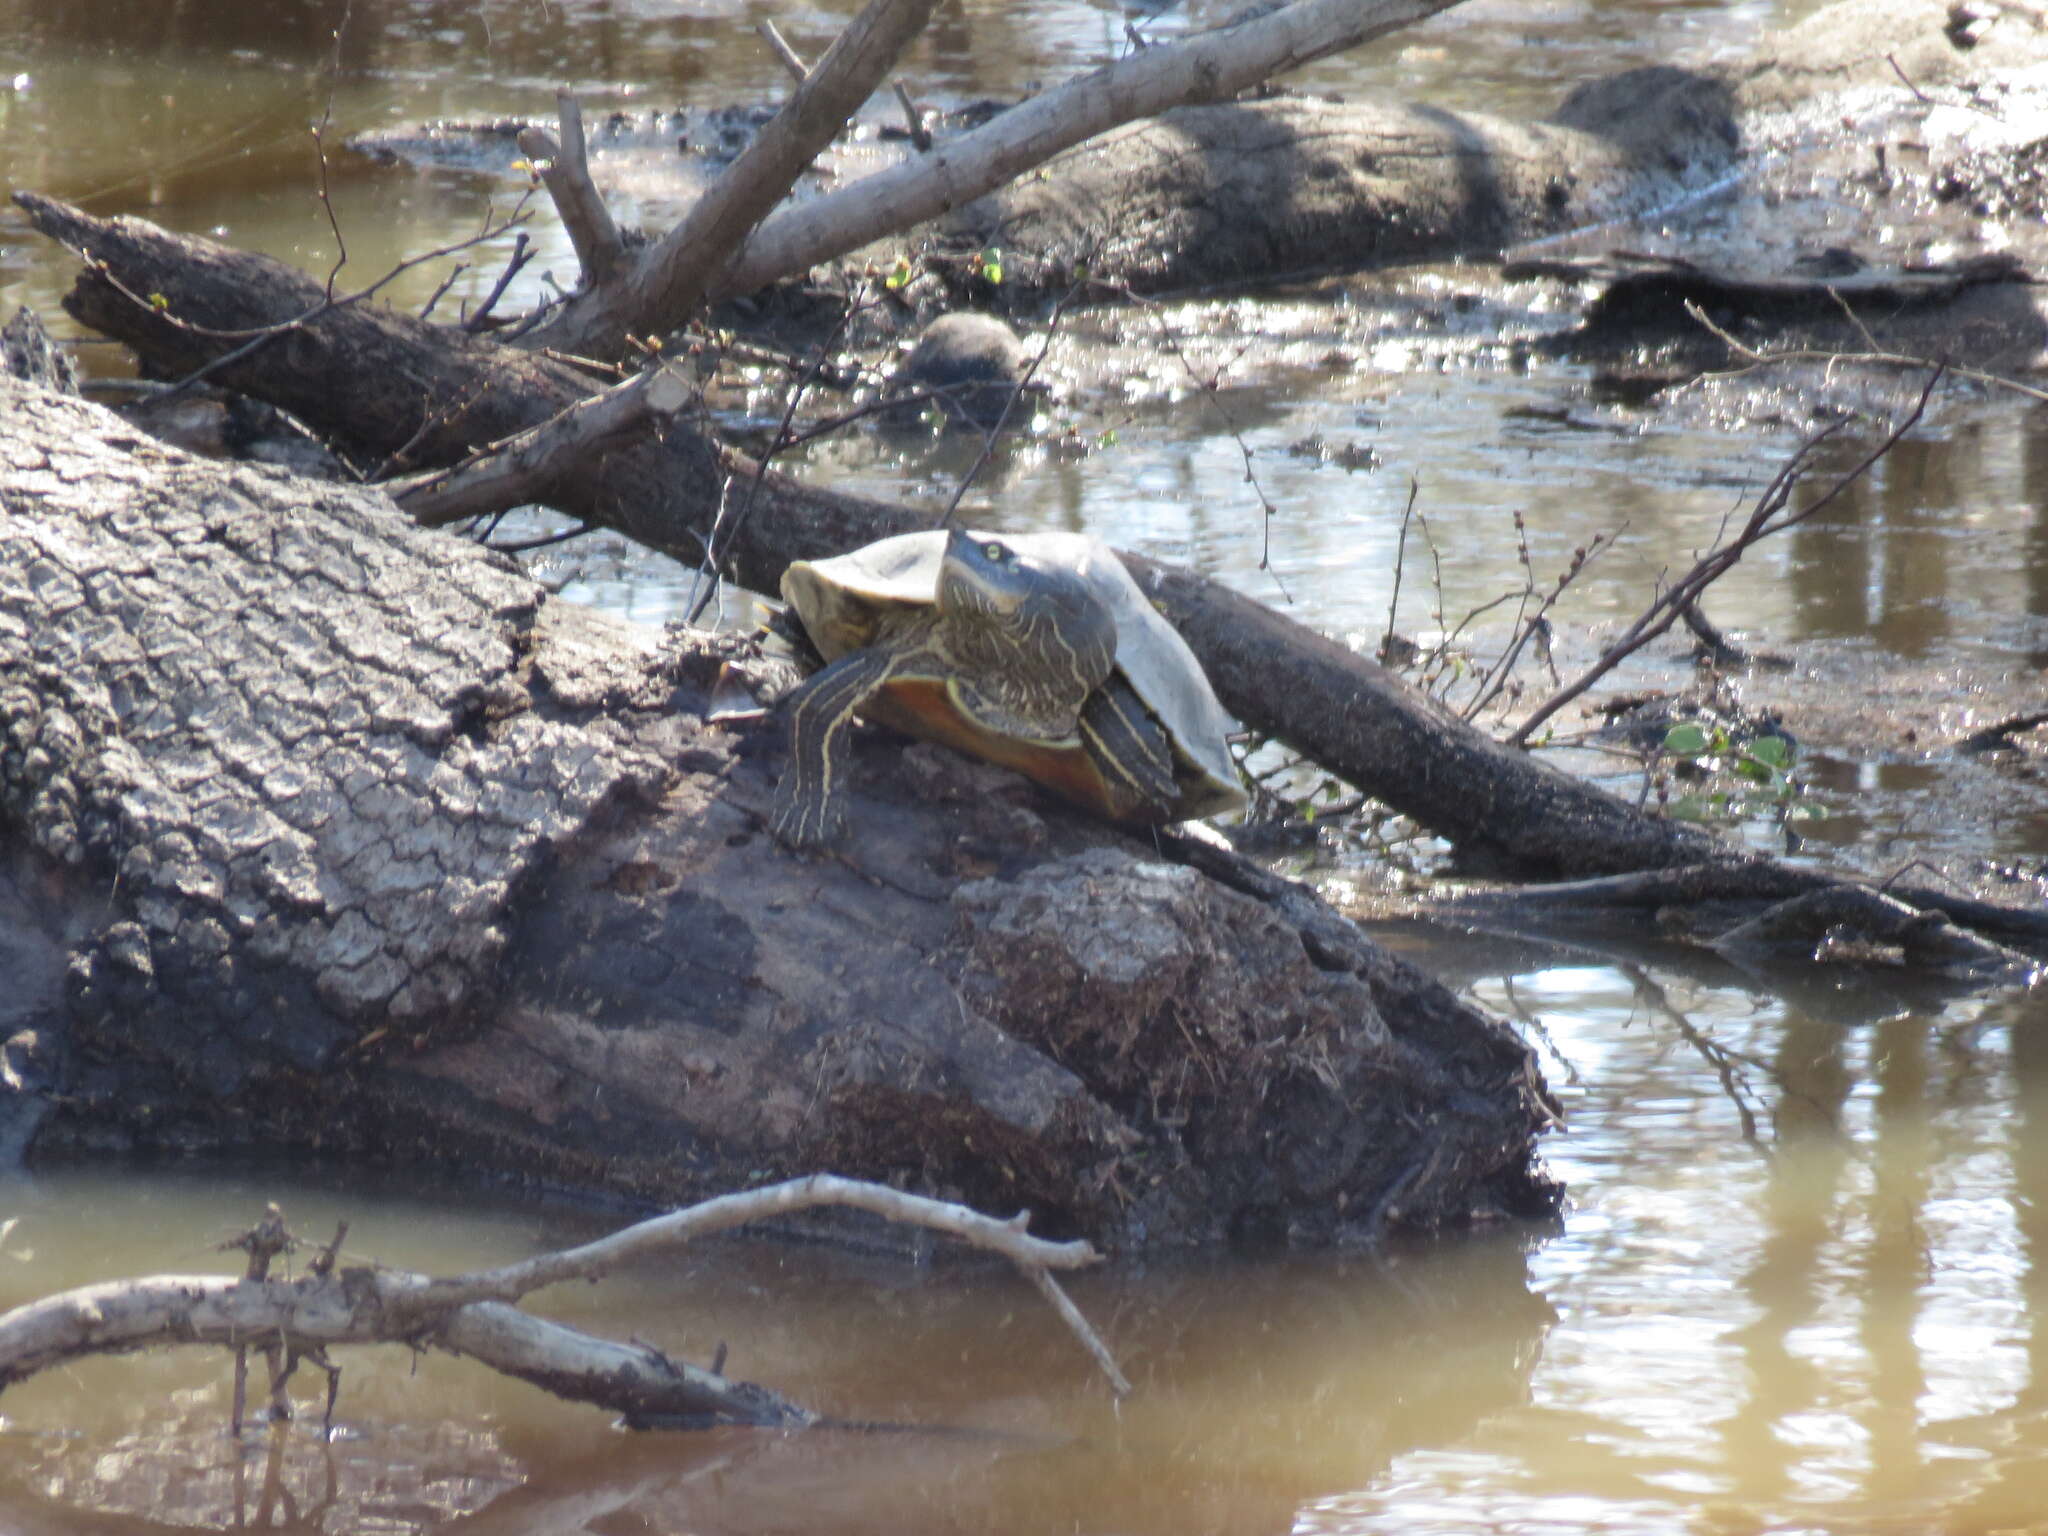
1036,651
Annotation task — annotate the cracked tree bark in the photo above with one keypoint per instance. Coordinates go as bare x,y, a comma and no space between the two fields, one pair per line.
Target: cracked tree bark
342,834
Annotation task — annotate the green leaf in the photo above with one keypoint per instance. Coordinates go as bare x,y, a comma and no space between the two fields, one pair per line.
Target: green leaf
1686,740
898,274
990,265
1775,751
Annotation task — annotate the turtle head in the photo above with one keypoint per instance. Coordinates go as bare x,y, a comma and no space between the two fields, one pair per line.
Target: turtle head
1042,615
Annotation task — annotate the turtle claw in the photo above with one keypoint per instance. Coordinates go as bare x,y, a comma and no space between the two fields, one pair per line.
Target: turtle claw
803,823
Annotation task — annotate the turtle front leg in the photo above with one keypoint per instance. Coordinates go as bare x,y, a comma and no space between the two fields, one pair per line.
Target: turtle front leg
1130,749
809,811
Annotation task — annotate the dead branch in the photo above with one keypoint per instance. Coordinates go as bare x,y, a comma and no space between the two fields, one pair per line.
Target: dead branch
789,58
298,1318
2001,735
1762,882
1769,516
1859,925
480,319
913,115
522,468
1535,626
1209,67
660,288
565,168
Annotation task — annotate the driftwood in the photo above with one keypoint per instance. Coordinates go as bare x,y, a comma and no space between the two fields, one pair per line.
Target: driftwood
341,832
301,1317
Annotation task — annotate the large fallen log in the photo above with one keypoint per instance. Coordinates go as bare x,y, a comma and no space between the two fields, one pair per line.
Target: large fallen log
395,385
341,833
1505,811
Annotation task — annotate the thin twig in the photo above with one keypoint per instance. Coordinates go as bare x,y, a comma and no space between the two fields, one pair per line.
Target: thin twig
839,423
544,541
441,291
1763,521
1918,94
1528,627
1400,561
320,148
1070,1314
523,251
1210,388
704,587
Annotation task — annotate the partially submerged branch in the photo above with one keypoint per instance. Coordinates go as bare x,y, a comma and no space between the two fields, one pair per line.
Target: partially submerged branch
472,1314
1769,516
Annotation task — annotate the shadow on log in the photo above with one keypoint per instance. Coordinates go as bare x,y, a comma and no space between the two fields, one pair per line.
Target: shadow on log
341,833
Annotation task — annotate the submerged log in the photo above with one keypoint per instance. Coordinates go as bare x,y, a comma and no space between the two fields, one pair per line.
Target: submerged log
342,833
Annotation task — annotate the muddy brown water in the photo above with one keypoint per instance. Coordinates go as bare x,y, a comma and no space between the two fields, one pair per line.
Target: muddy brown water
1801,1286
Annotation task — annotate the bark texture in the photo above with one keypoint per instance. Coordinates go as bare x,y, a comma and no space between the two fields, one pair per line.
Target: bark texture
351,838
299,747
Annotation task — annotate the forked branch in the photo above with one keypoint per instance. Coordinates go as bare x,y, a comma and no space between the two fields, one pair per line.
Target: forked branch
473,1314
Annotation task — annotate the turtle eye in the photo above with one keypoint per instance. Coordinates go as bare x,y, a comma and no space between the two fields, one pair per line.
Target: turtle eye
994,552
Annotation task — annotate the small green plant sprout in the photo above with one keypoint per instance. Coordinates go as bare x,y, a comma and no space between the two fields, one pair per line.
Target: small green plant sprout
1761,766
989,266
899,274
